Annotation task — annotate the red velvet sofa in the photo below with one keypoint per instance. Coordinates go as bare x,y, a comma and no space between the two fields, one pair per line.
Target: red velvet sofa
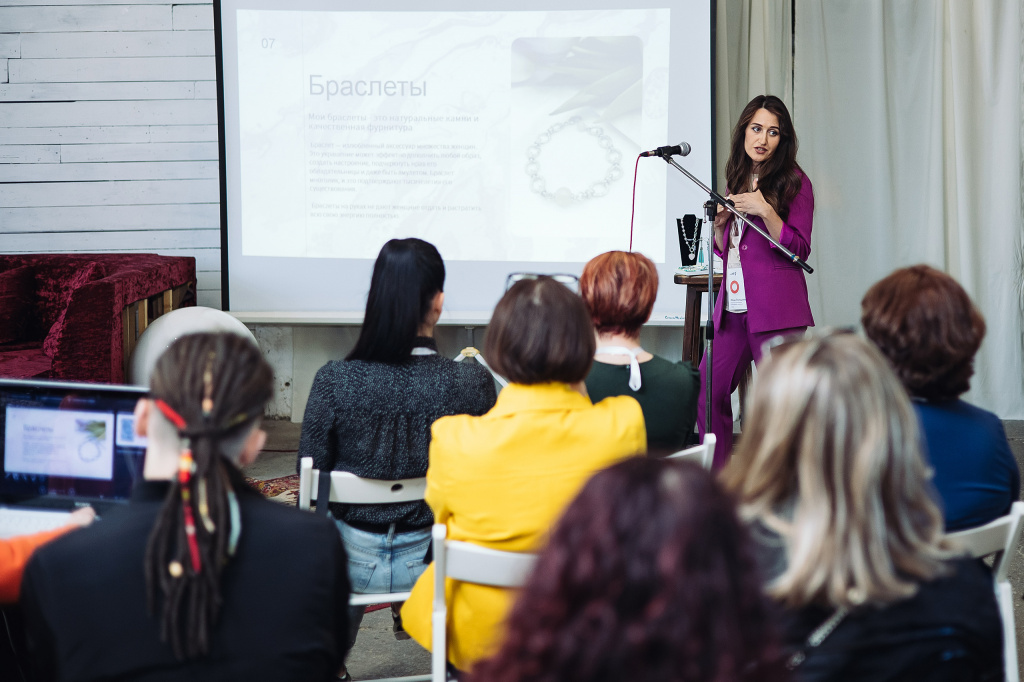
77,317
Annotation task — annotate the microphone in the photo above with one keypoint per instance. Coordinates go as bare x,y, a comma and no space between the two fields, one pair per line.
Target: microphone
681,149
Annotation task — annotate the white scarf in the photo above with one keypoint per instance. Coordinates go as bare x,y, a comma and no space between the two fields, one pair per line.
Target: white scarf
634,364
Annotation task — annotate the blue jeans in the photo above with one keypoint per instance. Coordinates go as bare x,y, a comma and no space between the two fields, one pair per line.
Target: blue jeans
380,563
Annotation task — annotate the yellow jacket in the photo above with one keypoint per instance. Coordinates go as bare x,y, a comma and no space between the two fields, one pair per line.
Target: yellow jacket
501,480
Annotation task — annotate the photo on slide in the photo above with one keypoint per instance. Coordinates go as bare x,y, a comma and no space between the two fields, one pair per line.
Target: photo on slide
576,120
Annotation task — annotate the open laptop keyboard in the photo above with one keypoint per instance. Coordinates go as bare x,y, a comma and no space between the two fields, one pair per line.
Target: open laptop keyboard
27,521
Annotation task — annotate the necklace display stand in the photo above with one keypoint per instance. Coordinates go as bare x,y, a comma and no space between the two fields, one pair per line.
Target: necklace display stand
689,239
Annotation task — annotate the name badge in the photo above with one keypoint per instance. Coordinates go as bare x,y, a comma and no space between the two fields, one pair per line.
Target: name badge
737,293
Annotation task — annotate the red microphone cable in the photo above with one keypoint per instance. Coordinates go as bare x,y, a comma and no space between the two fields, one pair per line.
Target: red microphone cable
632,213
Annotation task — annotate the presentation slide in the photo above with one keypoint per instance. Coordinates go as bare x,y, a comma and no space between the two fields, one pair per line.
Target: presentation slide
67,443
507,138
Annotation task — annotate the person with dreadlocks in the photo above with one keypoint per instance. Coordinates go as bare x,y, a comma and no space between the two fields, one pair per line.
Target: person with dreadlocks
175,585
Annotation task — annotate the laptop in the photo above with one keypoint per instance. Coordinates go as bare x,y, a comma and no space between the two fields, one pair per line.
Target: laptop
62,446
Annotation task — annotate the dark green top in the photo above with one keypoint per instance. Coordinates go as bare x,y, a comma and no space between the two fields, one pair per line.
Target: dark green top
668,397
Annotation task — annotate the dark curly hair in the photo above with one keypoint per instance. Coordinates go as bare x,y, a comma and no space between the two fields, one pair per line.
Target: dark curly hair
778,178
927,327
647,577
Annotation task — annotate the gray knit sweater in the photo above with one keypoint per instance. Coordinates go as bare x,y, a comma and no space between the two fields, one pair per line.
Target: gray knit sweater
373,419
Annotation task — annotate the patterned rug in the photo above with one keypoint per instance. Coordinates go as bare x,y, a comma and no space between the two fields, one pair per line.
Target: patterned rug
286,491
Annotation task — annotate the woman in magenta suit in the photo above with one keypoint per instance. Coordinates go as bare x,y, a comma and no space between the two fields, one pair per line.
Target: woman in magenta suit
763,294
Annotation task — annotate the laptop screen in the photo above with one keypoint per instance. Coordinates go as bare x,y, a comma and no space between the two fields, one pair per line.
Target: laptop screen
65,441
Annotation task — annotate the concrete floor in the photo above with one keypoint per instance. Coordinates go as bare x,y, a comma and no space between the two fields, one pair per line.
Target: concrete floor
377,654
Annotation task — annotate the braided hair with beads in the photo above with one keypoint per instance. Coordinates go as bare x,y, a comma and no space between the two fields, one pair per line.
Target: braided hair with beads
213,388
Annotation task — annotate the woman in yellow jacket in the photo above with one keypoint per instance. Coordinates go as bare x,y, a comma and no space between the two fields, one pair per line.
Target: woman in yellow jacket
501,480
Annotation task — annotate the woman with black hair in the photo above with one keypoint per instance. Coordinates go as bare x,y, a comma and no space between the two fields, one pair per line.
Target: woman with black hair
371,414
174,586
649,576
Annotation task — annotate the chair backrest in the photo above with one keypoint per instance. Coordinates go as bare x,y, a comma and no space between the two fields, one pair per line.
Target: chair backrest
351,489
481,565
997,537
703,454
1000,538
469,563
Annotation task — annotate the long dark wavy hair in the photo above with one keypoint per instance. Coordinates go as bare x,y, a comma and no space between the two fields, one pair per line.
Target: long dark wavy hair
648,577
407,276
217,387
778,178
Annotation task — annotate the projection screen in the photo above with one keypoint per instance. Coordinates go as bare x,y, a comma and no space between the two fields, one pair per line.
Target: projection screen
505,135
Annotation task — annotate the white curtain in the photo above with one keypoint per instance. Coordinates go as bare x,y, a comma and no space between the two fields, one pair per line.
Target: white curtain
753,56
910,117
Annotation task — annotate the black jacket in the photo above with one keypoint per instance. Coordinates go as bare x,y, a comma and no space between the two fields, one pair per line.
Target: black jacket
284,614
950,631
373,419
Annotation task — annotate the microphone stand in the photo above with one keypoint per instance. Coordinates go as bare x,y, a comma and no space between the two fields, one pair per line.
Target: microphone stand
711,211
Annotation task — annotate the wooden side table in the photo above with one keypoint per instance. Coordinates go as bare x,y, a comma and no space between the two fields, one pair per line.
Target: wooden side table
695,286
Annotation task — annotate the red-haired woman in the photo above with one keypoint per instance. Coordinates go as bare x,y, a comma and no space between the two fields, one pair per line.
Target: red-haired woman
648,577
764,294
619,289
927,327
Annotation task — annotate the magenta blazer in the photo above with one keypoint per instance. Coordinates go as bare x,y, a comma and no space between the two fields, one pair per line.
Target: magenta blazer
776,289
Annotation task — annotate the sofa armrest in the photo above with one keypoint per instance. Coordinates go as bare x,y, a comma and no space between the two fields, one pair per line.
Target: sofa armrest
88,343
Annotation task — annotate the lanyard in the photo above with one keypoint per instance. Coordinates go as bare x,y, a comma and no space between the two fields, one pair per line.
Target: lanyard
634,365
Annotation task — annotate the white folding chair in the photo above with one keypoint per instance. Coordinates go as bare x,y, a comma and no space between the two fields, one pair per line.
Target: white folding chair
348,488
703,454
473,564
1000,538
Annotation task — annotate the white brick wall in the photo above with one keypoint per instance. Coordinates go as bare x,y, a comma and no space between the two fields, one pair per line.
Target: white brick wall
108,130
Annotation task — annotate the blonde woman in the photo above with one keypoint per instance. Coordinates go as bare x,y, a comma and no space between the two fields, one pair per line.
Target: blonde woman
830,476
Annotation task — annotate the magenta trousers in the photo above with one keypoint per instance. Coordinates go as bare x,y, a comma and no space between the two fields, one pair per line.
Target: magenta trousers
734,347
